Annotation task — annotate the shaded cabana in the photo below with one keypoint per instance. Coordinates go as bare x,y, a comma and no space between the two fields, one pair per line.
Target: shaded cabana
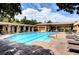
14,27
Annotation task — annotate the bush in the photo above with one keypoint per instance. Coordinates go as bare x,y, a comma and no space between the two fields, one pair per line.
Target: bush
74,31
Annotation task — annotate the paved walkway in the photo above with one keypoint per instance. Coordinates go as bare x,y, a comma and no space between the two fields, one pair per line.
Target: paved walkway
58,45
5,36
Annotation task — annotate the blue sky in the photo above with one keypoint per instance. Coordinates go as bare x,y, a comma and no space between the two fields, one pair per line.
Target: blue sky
46,11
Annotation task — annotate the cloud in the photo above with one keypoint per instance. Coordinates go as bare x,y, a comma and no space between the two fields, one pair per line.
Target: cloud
44,15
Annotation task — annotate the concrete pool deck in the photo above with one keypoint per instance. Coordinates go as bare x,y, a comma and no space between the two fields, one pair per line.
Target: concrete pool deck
5,36
58,45
8,35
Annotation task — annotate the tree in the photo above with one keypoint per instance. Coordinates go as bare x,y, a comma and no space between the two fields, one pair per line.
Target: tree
33,22
16,21
39,22
22,21
9,9
25,21
6,19
49,21
69,7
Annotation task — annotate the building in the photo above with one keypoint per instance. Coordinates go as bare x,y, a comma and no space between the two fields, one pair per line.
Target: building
42,27
54,27
76,27
14,27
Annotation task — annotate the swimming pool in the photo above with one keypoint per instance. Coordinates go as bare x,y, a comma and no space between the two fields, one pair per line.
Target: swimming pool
30,37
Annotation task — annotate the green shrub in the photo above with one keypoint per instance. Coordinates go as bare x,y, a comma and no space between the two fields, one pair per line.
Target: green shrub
74,31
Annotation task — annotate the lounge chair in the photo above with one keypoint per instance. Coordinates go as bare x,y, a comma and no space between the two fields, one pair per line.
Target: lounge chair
73,48
72,41
71,36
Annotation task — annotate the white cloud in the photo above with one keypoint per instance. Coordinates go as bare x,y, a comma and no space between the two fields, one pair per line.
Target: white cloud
45,11
44,15
22,6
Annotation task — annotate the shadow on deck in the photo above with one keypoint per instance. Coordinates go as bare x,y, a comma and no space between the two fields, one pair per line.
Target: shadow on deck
12,48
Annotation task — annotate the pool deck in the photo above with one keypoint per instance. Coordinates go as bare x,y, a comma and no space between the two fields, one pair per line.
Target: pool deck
5,36
58,45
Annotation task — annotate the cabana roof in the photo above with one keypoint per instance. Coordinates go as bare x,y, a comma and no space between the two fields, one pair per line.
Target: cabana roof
7,23
56,23
77,23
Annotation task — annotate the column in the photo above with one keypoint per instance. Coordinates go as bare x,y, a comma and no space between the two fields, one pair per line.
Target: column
18,29
32,29
45,28
56,29
48,28
64,28
29,29
13,31
24,28
38,29
77,29
4,29
9,28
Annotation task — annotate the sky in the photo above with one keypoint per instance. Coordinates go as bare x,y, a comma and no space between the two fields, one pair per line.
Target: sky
42,12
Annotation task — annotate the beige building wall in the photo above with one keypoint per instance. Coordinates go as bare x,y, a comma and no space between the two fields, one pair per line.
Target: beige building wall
76,28
45,28
42,28
9,28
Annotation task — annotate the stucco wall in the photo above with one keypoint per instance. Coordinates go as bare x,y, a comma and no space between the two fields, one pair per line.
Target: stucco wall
42,28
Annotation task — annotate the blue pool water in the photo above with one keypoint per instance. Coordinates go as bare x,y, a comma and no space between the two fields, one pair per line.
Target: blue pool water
31,37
